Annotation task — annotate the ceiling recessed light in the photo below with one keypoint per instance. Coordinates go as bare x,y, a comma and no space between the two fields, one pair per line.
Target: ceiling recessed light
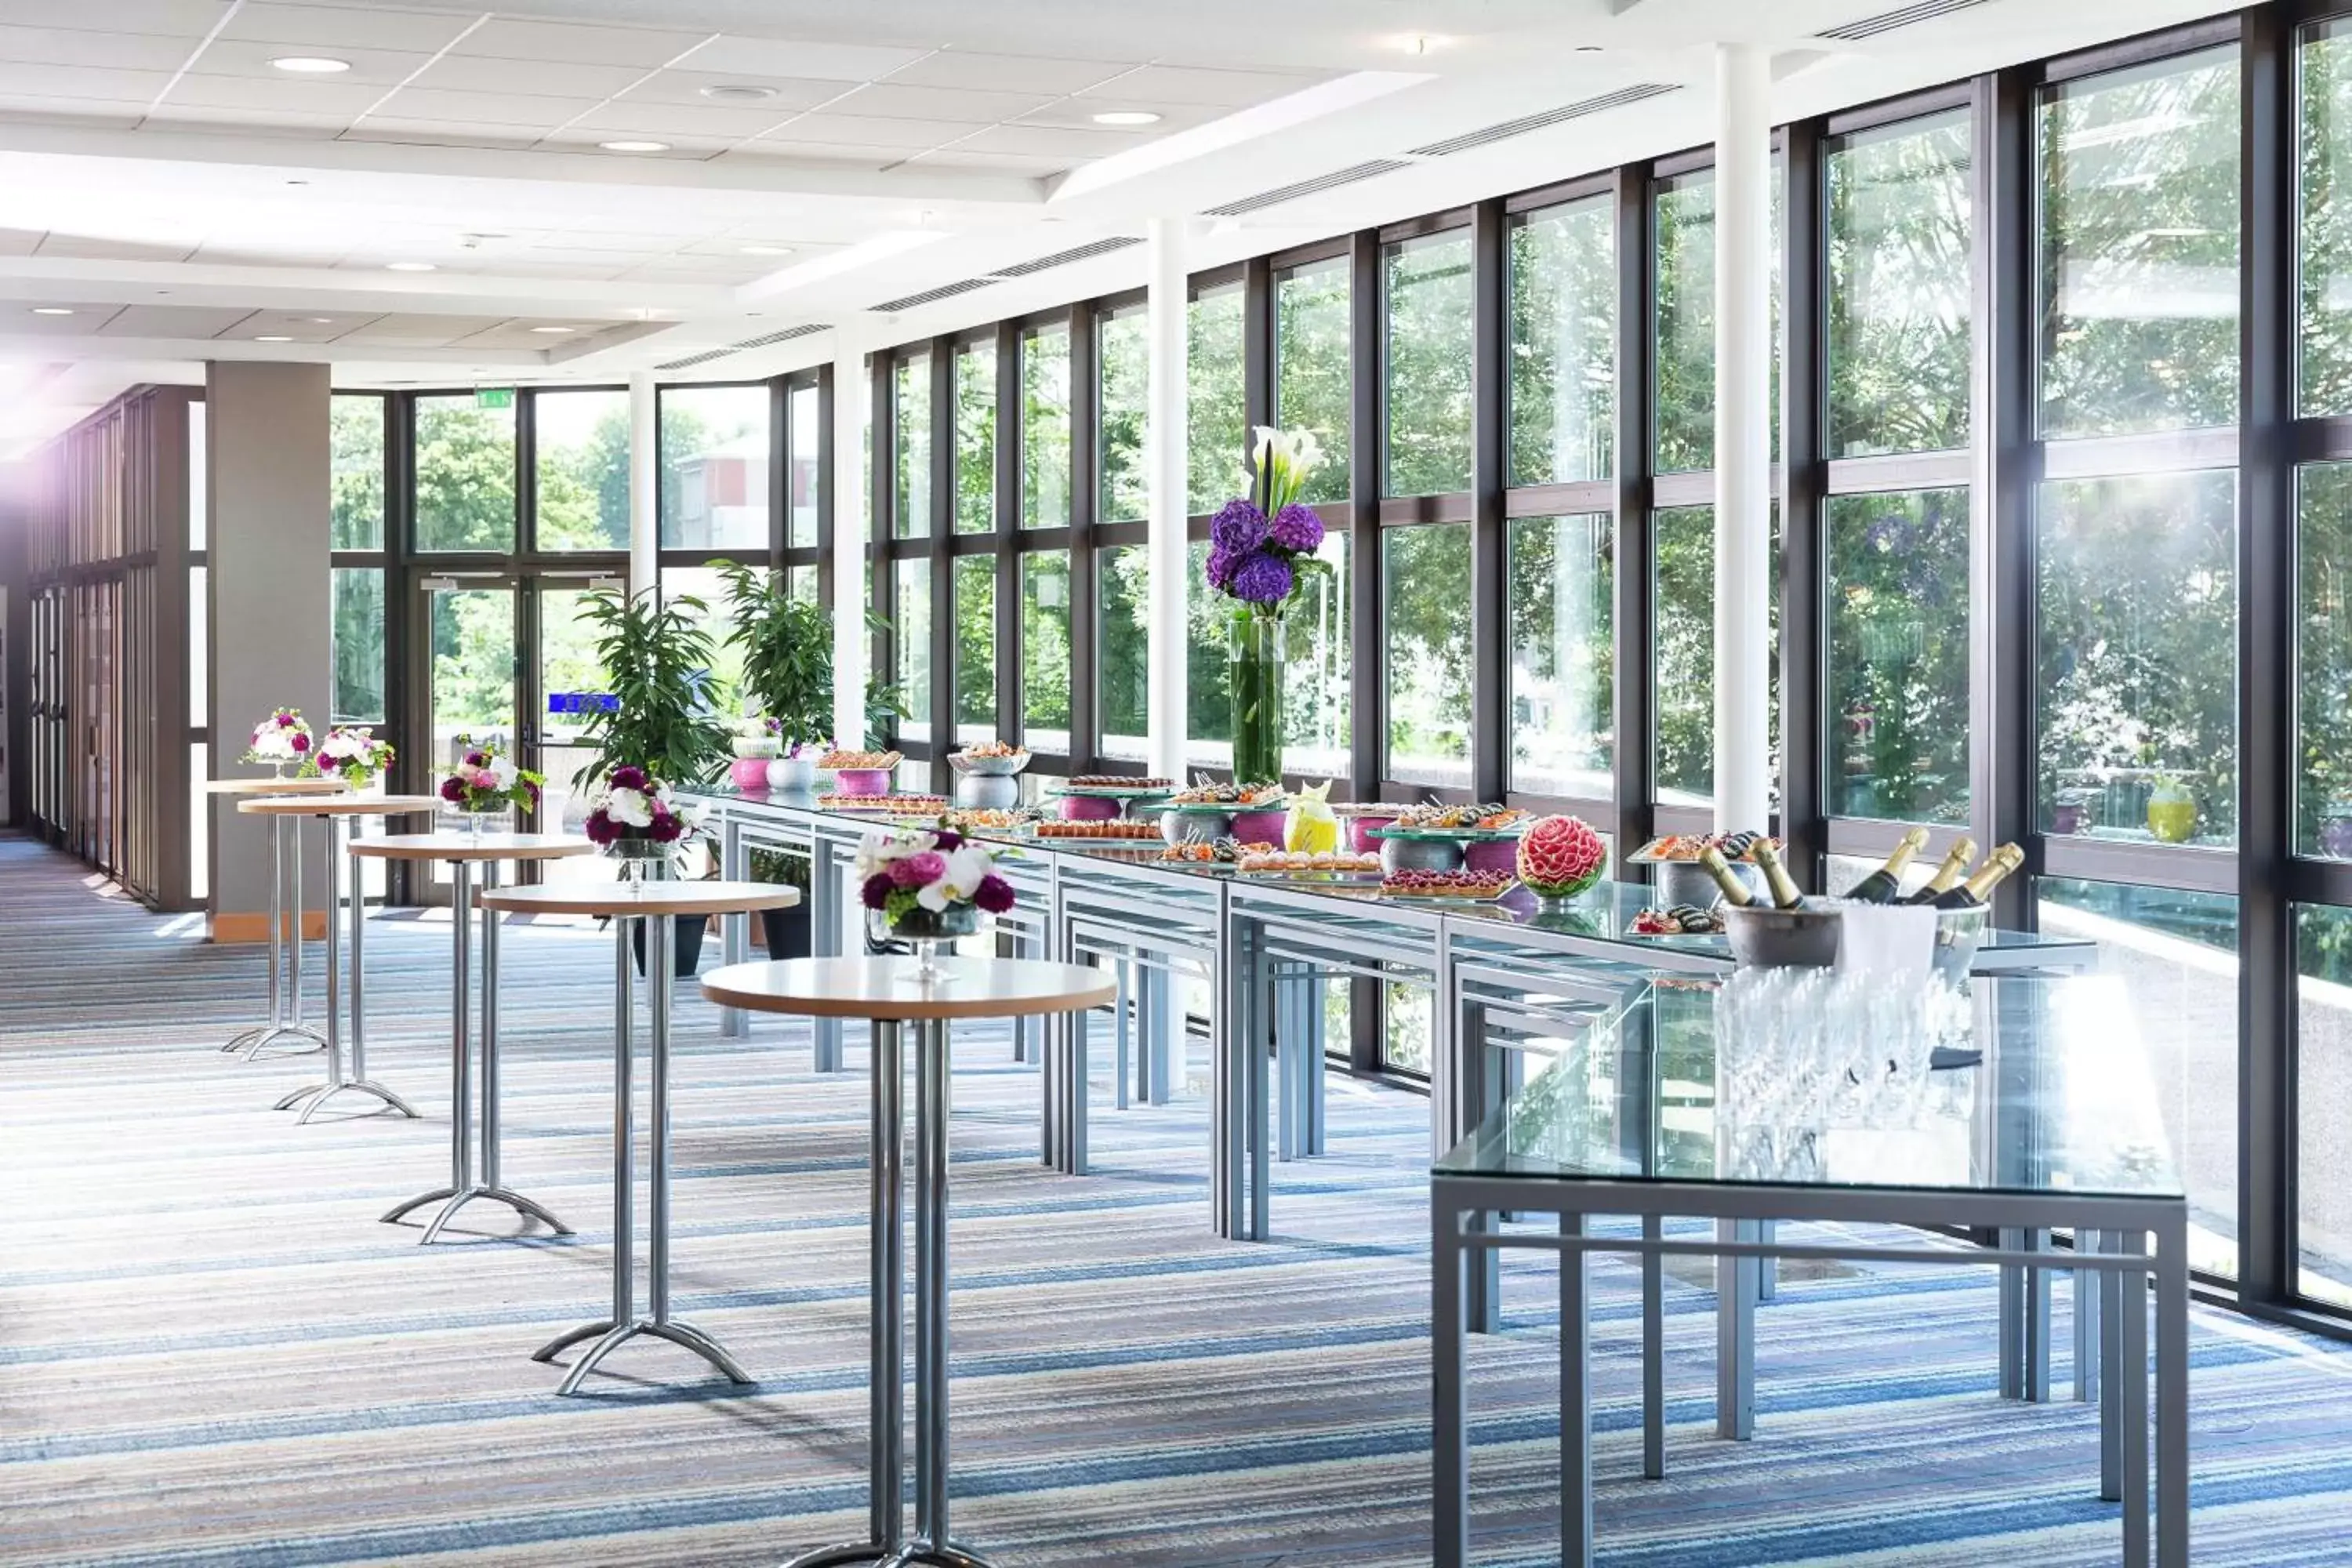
322,320
273,338
634,146
408,265
767,250
737,93
311,65
553,329
1127,117
1417,43
53,310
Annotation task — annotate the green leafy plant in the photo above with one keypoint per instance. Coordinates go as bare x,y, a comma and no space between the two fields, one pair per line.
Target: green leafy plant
787,648
656,660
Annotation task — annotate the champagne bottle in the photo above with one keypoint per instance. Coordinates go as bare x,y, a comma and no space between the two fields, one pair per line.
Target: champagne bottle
1947,874
1881,886
1970,894
1776,876
1735,891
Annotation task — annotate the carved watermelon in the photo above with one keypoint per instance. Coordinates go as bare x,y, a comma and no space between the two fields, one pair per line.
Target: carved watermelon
1561,856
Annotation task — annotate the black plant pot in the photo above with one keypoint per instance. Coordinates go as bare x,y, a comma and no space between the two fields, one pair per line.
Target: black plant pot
788,931
686,948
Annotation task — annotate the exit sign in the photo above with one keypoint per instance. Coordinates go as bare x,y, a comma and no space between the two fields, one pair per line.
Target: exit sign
494,397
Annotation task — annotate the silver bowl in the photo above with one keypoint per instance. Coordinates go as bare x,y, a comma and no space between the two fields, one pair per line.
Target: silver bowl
987,792
1419,855
1687,882
1183,824
987,767
1782,939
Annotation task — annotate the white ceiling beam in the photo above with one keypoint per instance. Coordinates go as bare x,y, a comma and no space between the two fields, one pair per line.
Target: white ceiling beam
71,280
37,346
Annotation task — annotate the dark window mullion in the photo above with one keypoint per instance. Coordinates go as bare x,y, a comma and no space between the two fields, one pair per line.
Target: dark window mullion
1012,457
1634,609
1804,392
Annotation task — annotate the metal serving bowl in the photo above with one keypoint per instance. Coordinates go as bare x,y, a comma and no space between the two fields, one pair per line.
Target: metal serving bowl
1181,824
987,767
1419,855
987,792
1686,882
1782,939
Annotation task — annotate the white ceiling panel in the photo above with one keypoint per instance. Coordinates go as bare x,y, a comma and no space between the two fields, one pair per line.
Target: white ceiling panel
91,248
175,116
667,119
1078,113
18,321
1186,84
82,82
241,57
344,26
886,100
79,113
400,131
486,108
792,93
419,329
579,138
544,79
73,47
183,18
305,326
599,240
254,255
172,321
859,130
278,94
512,38
1006,73
20,241
1017,165
1049,141
731,54
852,155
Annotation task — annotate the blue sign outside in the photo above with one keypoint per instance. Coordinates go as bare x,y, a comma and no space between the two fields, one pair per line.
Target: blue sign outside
583,702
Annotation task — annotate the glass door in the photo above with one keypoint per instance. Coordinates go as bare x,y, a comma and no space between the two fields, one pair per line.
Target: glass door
568,688
471,686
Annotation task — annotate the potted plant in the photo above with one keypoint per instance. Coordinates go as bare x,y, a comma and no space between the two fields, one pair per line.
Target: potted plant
787,931
787,648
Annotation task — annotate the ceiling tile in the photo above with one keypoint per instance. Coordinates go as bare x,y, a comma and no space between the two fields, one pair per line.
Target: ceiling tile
858,131
682,146
1078,114
731,54
279,94
419,329
1190,84
546,79
85,113
84,323
177,116
82,82
90,247
238,58
232,255
992,162
709,121
1049,141
180,18
847,155
172,321
619,244
492,109
398,131
20,241
304,326
73,47
886,100
686,87
577,43
1005,73
345,27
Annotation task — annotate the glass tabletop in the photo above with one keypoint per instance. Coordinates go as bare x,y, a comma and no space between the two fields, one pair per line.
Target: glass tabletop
2031,1084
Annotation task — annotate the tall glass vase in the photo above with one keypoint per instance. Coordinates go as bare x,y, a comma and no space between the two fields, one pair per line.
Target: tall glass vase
1254,656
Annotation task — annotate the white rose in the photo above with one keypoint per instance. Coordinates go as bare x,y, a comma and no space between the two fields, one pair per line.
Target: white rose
630,807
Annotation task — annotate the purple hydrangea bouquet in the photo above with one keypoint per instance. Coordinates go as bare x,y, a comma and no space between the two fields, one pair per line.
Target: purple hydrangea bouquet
1262,551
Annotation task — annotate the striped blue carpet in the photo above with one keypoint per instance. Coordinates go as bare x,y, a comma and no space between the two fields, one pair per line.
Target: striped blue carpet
211,1353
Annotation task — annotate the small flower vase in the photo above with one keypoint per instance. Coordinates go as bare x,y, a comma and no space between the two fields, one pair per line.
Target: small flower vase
1254,659
792,773
475,823
927,933
642,860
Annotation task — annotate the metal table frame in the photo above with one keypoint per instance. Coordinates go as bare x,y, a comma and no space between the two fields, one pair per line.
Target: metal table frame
285,953
341,829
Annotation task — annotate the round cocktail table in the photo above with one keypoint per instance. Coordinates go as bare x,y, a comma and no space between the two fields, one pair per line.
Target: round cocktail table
888,992
339,811
284,1020
462,852
656,904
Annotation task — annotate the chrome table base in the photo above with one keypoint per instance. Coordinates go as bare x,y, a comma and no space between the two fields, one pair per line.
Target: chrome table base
285,1009
462,1188
888,1542
311,1097
623,1324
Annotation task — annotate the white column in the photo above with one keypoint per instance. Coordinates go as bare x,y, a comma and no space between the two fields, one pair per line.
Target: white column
645,487
1164,445
1743,369
851,410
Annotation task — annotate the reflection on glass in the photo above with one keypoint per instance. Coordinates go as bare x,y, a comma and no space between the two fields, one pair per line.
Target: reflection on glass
910,645
1123,594
2138,642
801,582
1046,650
2176,954
2139,247
472,670
358,646
1216,411
1426,632
356,433
1562,658
714,467
975,647
568,667
1563,383
1208,699
582,458
715,617
2323,1059
200,615
1123,364
1684,540
1311,376
2323,660
1898,289
1899,655
910,431
1045,428
975,436
801,480
1682,214
1317,723
465,475
1426,291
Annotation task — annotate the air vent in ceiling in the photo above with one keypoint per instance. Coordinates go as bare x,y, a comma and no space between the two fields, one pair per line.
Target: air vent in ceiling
1371,170
931,296
691,361
769,340
1066,258
1487,136
1902,16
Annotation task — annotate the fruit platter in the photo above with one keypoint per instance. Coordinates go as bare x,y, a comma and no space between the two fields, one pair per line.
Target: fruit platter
1457,886
1212,809
1437,820
990,819
990,759
1438,838
1269,861
1683,849
894,804
1114,829
1213,854
1679,919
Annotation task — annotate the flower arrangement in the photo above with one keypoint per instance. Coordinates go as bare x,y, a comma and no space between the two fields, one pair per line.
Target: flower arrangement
282,739
485,780
925,884
357,754
1261,554
758,737
633,808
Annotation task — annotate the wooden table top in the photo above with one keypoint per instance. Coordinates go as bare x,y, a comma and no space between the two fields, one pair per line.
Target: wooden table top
345,804
471,847
274,786
886,989
632,899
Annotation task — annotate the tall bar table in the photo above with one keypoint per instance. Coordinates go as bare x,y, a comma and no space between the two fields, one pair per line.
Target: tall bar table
655,906
890,994
340,812
285,1013
462,852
